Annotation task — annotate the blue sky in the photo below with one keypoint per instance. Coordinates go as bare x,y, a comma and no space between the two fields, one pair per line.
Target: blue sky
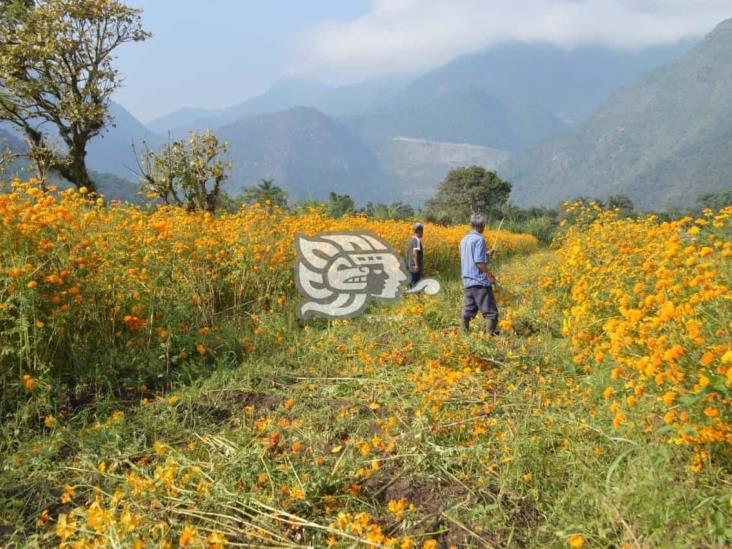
215,53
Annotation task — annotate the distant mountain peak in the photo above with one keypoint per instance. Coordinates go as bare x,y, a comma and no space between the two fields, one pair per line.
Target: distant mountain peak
662,140
306,152
725,25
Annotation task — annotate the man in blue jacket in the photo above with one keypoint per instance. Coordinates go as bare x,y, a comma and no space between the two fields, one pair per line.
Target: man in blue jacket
477,278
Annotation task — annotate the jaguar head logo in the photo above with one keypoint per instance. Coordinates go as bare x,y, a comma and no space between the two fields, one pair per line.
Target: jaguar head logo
339,274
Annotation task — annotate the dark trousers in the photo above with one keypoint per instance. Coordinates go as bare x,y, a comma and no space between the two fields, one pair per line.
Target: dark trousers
480,298
416,277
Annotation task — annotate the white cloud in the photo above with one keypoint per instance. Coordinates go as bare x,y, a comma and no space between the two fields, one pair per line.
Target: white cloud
409,35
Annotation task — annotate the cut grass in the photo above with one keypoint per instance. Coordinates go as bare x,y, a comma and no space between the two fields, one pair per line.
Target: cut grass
464,440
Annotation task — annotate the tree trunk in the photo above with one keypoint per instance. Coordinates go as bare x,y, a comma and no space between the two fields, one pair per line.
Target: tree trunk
74,169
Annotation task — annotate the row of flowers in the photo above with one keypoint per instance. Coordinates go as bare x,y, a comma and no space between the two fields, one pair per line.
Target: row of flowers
84,283
649,303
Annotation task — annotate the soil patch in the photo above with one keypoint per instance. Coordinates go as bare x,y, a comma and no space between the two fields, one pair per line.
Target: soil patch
261,402
429,497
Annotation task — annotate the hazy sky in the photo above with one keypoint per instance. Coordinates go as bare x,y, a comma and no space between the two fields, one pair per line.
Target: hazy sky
216,53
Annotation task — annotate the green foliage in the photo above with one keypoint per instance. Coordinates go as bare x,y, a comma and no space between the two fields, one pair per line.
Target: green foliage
660,140
542,227
56,68
465,191
309,205
396,210
265,193
496,442
620,202
6,159
114,187
715,201
186,173
339,205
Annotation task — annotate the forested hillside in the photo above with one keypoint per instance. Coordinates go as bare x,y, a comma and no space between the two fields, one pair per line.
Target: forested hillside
662,141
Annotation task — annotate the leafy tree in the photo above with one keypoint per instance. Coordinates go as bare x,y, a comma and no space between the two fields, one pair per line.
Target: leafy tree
56,73
265,193
395,210
619,201
186,173
307,206
467,190
715,201
339,205
6,158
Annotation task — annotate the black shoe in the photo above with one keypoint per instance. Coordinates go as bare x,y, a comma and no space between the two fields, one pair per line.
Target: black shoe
491,326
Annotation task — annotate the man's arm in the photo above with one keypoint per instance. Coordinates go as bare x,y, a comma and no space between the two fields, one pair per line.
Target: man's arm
416,247
482,261
483,268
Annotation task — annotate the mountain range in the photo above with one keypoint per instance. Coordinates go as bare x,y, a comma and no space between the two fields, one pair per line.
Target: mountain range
371,139
653,124
305,150
662,140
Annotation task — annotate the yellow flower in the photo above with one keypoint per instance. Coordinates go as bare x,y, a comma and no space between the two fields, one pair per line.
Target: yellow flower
576,541
65,527
216,540
188,536
619,419
68,493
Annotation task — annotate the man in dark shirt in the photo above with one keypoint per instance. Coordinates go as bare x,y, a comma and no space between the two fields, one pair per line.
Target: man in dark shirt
415,254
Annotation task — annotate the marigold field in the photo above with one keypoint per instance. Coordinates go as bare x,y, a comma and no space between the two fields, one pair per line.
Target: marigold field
158,391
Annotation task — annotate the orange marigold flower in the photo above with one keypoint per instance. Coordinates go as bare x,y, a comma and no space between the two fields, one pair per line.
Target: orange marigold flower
576,541
29,382
188,536
711,412
619,419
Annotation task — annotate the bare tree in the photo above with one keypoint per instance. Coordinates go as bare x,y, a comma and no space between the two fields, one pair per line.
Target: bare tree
186,173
